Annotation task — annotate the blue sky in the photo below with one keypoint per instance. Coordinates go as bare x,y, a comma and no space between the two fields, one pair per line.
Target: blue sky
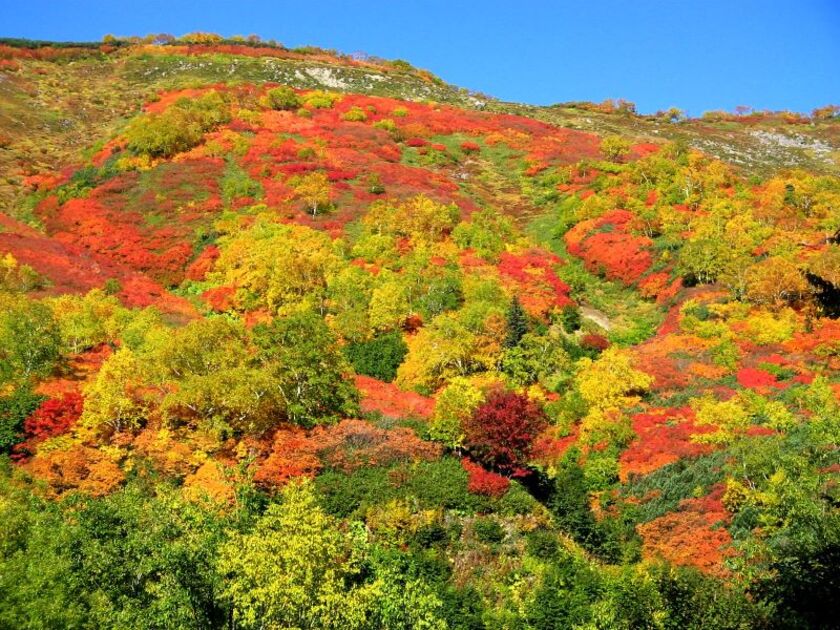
697,55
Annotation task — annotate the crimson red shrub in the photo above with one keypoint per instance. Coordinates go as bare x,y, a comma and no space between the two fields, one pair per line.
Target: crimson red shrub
500,431
755,378
482,481
594,342
54,416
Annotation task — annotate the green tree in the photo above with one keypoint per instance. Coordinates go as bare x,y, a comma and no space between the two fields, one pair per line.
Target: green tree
30,339
487,232
15,407
130,560
235,400
570,318
517,323
308,367
202,347
84,321
537,358
564,596
380,357
404,604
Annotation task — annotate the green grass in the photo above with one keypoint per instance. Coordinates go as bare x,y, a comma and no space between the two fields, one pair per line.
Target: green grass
633,319
684,479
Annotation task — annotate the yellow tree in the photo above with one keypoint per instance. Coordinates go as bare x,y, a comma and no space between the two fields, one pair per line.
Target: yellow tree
389,307
113,400
455,403
440,351
610,380
775,281
420,218
348,301
826,265
85,321
240,399
606,385
424,219
729,417
294,569
297,278
17,277
615,147
314,190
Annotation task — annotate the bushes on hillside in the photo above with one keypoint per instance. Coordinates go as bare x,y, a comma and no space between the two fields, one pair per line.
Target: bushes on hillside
178,128
380,357
318,99
14,409
281,98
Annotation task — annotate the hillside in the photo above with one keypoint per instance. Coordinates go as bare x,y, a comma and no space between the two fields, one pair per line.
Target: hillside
290,338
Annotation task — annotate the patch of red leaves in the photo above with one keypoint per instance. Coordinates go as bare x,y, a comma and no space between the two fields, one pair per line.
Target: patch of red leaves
391,401
532,277
53,417
664,437
756,379
482,481
549,447
606,246
693,536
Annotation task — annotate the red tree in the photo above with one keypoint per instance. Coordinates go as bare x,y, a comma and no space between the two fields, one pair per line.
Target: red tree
500,432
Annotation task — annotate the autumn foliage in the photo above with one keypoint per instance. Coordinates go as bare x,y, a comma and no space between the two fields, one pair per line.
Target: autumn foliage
79,467
501,431
664,436
390,400
608,247
693,536
535,280
643,335
482,481
54,416
346,446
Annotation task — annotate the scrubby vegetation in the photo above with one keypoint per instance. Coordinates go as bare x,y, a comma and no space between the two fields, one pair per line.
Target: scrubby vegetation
290,356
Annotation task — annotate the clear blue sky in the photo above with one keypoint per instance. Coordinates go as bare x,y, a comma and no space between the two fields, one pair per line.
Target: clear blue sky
693,54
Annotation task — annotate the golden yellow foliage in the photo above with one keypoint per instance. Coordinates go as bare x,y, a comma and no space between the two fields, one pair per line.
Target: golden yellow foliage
610,380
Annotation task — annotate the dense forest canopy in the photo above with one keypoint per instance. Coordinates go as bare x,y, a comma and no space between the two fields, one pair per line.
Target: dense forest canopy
358,349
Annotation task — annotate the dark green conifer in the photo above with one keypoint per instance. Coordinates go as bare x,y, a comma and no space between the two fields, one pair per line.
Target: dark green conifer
517,323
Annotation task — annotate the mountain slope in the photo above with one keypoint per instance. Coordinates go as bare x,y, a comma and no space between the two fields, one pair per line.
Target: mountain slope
284,341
